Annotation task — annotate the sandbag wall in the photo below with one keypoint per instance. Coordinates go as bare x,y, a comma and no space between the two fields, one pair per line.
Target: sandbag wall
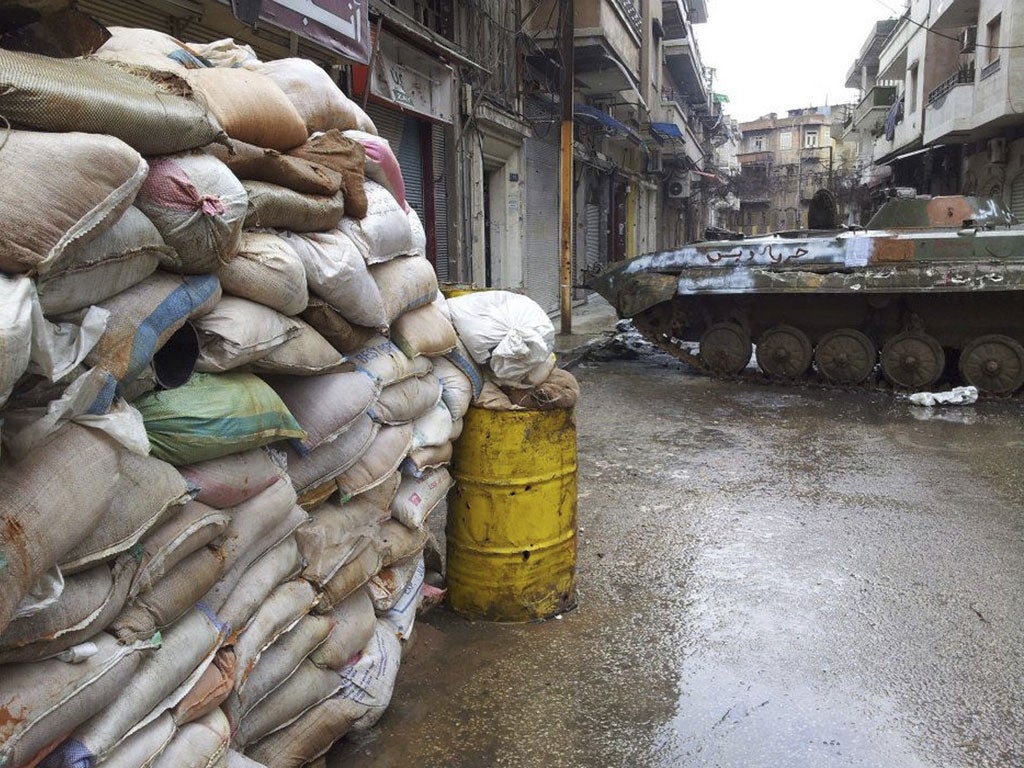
228,387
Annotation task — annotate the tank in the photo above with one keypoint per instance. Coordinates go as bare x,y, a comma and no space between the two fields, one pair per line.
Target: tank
931,289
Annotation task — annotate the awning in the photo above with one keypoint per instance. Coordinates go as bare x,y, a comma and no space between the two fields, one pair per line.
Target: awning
667,130
603,119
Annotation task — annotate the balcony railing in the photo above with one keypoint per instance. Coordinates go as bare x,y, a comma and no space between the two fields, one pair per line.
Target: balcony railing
880,97
964,76
990,69
632,15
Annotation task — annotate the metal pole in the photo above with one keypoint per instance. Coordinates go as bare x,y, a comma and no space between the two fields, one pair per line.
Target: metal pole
566,191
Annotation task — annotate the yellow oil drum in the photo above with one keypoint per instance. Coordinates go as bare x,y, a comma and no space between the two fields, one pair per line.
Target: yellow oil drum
511,530
451,290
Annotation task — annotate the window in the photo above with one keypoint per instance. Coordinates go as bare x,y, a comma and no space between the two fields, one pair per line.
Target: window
992,41
912,90
786,140
811,138
759,143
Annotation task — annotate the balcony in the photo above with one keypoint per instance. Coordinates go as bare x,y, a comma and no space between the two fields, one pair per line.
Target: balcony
682,58
755,158
874,105
949,114
951,14
892,59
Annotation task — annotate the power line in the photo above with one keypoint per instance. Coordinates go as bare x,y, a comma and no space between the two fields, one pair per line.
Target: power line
906,15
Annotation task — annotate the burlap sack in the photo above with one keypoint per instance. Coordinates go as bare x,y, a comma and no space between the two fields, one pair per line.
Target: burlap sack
332,458
336,151
281,611
350,578
407,400
143,746
386,363
380,460
278,565
398,542
203,742
354,622
335,534
325,406
385,232
271,205
307,354
315,95
433,428
237,332
424,331
210,691
559,390
268,271
231,480
253,163
456,388
304,689
418,496
308,737
421,460
339,332
405,284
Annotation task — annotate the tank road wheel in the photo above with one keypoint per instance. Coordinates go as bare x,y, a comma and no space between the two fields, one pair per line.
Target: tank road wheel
725,349
993,363
784,352
913,360
845,356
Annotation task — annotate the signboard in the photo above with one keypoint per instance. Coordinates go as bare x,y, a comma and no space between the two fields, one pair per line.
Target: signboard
342,26
410,79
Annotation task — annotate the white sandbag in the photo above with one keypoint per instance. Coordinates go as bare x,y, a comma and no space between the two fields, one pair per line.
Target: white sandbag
53,697
117,259
200,744
371,680
194,526
461,359
31,343
238,760
381,164
333,457
382,495
380,460
337,273
509,332
402,615
163,52
383,361
456,388
419,234
281,563
392,582
268,271
418,496
407,400
353,625
384,233
456,430
325,406
422,460
198,206
306,354
432,428
226,53
335,533
405,284
314,94
424,331
281,611
237,332
231,480
141,749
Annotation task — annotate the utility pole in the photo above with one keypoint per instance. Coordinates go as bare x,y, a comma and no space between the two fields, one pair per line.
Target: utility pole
566,190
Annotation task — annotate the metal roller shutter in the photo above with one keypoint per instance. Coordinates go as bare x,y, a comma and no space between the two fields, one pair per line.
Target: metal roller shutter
440,149
541,211
1017,197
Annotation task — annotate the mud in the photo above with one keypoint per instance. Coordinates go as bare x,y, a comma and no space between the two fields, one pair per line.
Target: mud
767,577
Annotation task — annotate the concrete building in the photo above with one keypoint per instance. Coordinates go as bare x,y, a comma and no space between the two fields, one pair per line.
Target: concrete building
784,161
954,69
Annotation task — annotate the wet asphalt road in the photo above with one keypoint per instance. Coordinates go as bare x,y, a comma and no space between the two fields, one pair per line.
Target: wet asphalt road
768,577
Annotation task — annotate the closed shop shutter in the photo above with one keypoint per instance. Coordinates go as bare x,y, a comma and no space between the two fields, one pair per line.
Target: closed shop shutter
440,149
541,213
593,217
1017,197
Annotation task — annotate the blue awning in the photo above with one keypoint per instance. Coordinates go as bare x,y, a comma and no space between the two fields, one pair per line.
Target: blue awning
606,121
667,130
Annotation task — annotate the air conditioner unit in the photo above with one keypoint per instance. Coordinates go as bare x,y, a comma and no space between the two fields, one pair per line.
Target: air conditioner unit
968,39
997,150
678,187
654,164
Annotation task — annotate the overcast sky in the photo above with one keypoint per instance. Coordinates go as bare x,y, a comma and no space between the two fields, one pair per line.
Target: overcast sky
776,56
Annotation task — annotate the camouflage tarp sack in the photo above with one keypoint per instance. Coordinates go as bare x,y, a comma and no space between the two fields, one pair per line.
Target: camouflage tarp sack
47,94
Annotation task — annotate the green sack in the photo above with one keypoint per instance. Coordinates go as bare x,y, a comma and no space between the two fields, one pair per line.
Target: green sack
215,415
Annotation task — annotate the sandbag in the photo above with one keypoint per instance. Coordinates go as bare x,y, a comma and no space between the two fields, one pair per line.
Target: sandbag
423,331
405,284
325,406
198,206
314,94
421,460
161,680
267,270
354,622
332,458
200,744
418,496
407,400
461,359
213,416
238,760
370,681
271,205
281,563
306,354
165,52
381,164
117,259
237,332
71,188
559,390
398,542
145,492
89,602
339,332
313,497
310,736
143,319
281,611
336,273
334,150
402,614
419,234
194,526
335,534
53,697
350,577
249,106
230,480
35,529
48,94
278,662
210,691
383,361
381,495
141,748
456,388
387,587
253,163
172,597
507,331
380,460
226,52
304,689
384,232
433,428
